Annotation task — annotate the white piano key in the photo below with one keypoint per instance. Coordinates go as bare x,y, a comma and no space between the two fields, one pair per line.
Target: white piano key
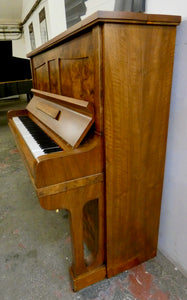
30,141
21,127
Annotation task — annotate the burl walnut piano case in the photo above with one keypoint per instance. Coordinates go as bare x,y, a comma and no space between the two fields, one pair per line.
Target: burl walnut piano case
102,94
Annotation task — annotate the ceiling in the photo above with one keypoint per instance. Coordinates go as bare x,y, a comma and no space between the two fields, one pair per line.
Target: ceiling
10,11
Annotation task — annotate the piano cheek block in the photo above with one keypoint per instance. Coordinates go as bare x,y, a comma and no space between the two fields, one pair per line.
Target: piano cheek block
79,163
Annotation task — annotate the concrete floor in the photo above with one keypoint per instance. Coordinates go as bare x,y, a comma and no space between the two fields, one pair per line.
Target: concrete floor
35,252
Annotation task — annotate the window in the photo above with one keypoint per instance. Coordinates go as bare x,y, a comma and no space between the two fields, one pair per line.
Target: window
130,5
32,37
74,10
43,26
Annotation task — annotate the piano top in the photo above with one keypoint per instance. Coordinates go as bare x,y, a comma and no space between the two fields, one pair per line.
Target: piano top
108,17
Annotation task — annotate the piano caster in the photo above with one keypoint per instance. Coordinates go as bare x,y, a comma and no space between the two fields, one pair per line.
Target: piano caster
57,211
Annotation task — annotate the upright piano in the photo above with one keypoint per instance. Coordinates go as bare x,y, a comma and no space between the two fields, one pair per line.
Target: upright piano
93,137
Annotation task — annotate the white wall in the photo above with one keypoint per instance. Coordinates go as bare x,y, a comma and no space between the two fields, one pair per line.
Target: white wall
57,17
173,224
173,7
18,48
94,5
34,18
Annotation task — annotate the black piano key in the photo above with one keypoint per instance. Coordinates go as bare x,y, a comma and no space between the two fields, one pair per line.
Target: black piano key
51,150
45,142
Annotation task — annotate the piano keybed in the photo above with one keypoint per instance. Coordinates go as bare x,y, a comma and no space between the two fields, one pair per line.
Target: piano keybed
36,139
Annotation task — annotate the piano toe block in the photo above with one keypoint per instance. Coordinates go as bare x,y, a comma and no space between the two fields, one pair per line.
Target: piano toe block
81,281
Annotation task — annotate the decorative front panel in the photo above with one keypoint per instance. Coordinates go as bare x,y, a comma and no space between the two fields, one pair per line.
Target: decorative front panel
68,69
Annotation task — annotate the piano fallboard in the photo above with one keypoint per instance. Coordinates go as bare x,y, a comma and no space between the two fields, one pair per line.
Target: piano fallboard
70,119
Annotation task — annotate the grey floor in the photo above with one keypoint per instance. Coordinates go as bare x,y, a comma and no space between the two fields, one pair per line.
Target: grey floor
35,252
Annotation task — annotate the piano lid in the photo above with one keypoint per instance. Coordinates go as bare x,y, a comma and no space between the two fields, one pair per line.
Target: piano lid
69,118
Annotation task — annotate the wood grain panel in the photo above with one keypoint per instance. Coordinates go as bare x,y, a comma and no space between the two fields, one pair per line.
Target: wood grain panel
76,68
137,97
76,77
42,77
54,76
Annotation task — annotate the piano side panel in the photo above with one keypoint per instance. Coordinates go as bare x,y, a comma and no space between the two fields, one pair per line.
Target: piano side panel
137,97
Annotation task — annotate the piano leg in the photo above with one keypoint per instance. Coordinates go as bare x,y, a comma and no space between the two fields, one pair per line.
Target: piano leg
75,201
82,273
76,227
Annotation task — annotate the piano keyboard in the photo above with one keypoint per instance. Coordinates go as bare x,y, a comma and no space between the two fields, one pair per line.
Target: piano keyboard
36,139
